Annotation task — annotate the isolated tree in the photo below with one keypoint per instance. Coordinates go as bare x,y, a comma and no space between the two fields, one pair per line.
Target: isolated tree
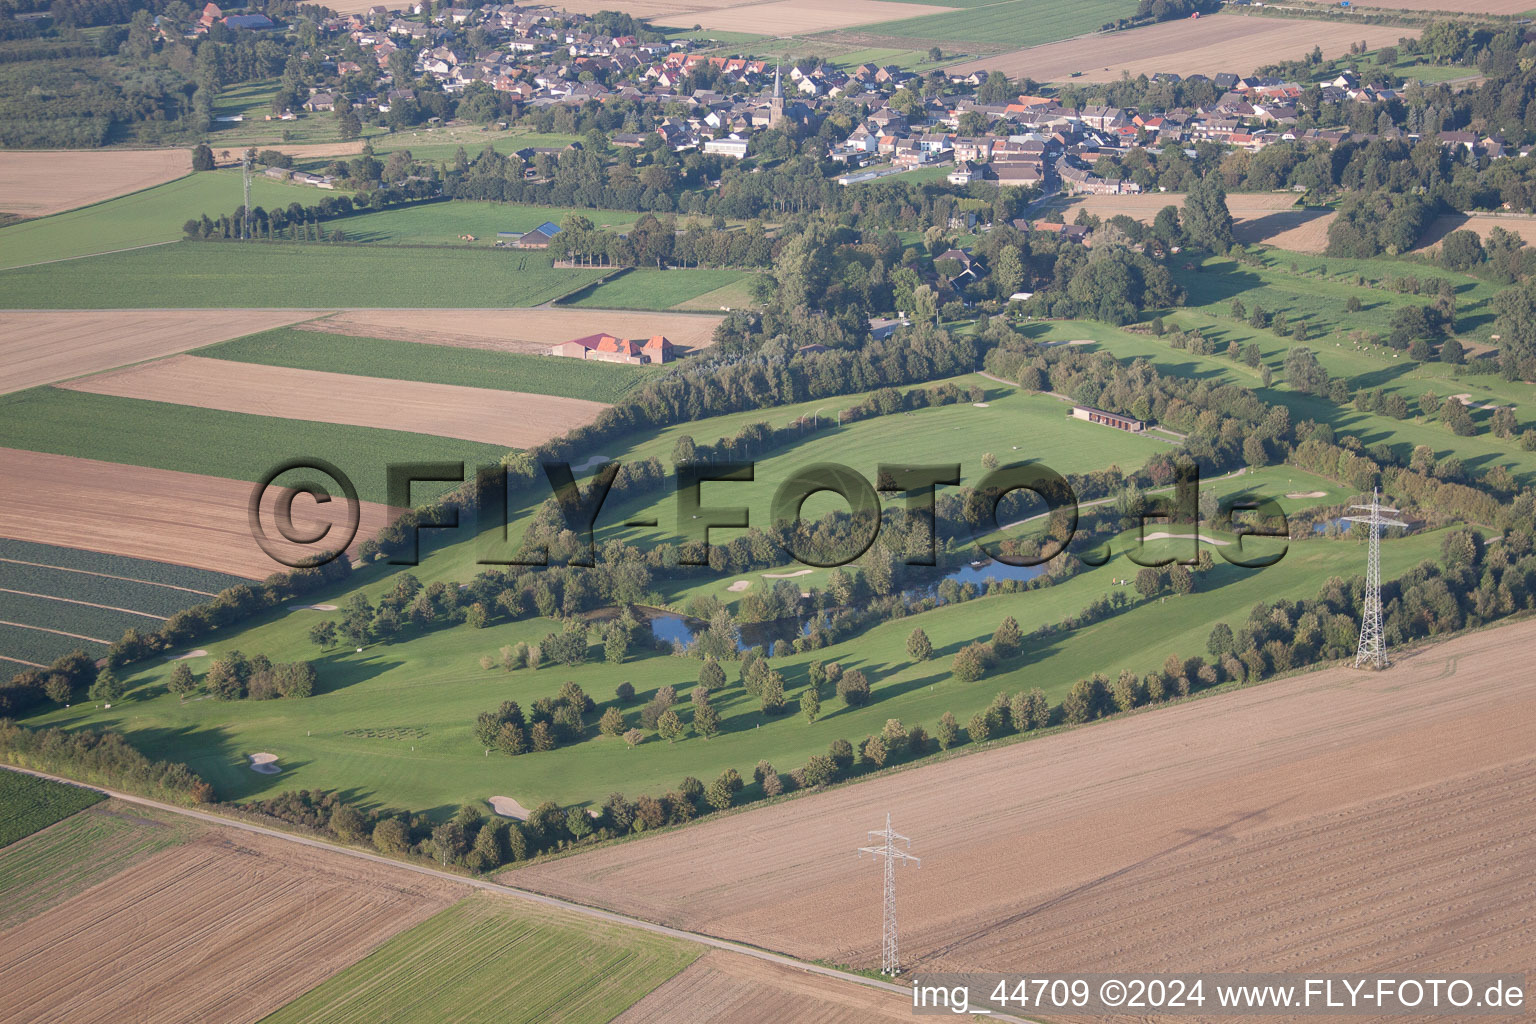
202,157
979,727
669,726
719,794
841,753
853,687
706,721
773,694
1207,220
1008,638
612,722
1220,641
970,662
948,732
810,702
182,680
633,738
323,634
874,752
711,675
624,692
919,647
894,735
107,688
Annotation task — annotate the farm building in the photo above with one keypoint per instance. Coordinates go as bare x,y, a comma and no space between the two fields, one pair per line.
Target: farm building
538,238
610,349
1109,419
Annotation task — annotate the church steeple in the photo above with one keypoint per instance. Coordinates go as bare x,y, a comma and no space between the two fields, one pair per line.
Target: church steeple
778,90
776,105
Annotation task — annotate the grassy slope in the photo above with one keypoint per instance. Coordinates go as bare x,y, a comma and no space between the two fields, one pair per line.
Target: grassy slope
47,868
433,685
227,444
443,223
154,215
658,289
289,275
1014,23
29,804
1479,452
489,959
439,364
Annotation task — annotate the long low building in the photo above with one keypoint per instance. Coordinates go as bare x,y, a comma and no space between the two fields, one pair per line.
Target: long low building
1108,419
610,349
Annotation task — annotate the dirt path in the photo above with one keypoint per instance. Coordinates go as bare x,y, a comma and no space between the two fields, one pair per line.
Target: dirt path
88,604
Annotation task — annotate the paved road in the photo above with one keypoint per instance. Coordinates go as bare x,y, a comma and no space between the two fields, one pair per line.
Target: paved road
507,890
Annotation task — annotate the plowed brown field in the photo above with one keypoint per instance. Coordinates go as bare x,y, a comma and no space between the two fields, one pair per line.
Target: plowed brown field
157,514
39,182
225,928
1223,42
47,346
517,330
1337,820
508,418
722,986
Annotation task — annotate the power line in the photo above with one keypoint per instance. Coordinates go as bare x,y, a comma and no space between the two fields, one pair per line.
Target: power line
889,850
1372,652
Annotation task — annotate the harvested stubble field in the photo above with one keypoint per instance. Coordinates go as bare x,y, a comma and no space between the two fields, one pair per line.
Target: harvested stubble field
39,182
793,17
1222,42
1271,218
42,347
531,331
226,927
722,986
1336,820
1482,223
509,418
154,514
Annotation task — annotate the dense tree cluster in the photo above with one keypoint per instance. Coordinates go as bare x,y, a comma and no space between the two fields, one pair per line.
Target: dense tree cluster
102,758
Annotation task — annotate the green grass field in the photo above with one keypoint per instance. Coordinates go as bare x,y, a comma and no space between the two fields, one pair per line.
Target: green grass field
441,223
45,869
253,101
494,960
433,686
662,289
142,218
438,364
290,275
29,804
237,446
1014,23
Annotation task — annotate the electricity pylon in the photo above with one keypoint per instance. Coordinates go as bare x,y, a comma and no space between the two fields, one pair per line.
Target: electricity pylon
245,171
888,963
1372,652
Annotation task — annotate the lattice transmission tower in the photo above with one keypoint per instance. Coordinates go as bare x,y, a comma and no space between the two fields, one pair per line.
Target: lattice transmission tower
245,214
1372,651
892,854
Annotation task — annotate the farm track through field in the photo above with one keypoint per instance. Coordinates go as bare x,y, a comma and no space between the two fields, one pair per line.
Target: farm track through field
56,632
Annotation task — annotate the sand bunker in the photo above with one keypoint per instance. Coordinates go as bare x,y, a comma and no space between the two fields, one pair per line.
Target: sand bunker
1164,535
739,586
313,607
265,764
592,463
508,808
199,653
787,575
1307,494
